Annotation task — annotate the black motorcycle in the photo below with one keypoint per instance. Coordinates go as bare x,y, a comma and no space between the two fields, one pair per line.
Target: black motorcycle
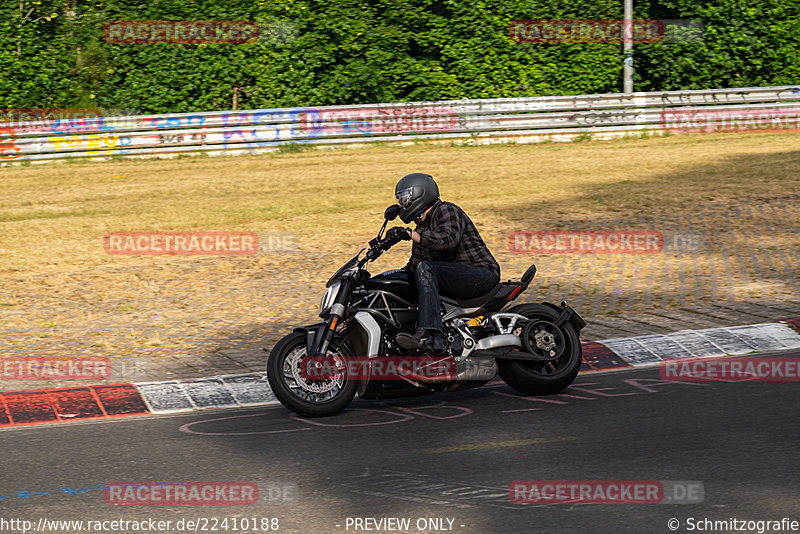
535,348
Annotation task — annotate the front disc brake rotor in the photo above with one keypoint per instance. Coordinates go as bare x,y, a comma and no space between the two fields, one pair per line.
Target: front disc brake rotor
295,362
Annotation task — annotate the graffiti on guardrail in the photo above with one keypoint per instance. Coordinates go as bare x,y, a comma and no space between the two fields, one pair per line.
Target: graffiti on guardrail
255,129
589,101
8,146
710,97
93,144
378,120
167,122
263,128
789,92
80,133
600,117
52,120
63,121
178,138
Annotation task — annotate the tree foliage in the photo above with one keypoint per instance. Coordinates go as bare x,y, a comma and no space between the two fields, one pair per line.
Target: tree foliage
53,52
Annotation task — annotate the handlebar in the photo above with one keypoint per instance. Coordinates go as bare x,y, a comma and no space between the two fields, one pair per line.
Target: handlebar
378,247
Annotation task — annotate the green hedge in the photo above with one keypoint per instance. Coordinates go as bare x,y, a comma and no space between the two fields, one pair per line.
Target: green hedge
53,53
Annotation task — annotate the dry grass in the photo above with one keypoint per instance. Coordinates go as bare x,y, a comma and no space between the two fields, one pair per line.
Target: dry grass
53,217
200,316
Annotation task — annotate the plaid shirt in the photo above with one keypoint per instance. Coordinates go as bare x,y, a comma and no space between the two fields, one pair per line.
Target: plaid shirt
448,234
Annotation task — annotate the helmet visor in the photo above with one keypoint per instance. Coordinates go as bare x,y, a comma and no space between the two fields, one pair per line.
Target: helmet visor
404,197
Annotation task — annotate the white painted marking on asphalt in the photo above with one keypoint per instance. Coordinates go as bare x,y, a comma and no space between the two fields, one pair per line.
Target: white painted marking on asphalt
727,341
756,336
188,427
250,389
664,347
209,393
631,350
165,397
696,345
784,334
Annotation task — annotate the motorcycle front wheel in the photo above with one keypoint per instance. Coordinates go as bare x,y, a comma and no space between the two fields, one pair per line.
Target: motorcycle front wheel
295,390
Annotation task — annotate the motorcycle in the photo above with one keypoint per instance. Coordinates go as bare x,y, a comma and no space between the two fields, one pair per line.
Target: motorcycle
535,348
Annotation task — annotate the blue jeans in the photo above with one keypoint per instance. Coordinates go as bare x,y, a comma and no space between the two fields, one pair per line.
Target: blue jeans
454,279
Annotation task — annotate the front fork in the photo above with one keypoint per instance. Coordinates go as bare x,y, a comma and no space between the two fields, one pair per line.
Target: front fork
320,339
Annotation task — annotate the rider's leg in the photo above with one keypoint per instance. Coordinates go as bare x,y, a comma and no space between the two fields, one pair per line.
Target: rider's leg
461,280
428,297
429,319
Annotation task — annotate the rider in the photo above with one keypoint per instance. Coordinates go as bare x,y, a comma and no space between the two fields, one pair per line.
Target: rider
448,254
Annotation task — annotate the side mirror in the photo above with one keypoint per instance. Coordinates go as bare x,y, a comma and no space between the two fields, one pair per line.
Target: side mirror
391,212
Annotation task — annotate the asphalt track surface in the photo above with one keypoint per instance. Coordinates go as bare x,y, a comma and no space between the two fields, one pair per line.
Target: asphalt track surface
450,456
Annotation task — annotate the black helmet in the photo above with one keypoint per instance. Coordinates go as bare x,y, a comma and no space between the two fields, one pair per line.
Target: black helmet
415,193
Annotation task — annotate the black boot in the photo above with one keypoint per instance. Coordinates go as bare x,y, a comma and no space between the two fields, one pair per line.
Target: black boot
433,343
409,341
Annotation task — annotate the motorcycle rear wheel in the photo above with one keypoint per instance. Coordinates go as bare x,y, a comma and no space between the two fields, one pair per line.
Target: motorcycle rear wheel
309,398
534,378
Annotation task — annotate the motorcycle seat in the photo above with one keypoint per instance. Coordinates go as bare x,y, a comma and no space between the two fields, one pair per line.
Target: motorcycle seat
500,291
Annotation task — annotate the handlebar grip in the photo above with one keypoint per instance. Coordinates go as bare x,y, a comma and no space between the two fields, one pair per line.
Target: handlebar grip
389,243
379,247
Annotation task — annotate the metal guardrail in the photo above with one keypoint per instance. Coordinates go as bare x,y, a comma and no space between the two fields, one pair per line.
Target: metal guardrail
491,120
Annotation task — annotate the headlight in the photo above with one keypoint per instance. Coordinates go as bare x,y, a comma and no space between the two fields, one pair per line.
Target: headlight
328,299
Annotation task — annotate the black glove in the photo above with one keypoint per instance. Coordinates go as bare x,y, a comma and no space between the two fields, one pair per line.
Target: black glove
399,233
